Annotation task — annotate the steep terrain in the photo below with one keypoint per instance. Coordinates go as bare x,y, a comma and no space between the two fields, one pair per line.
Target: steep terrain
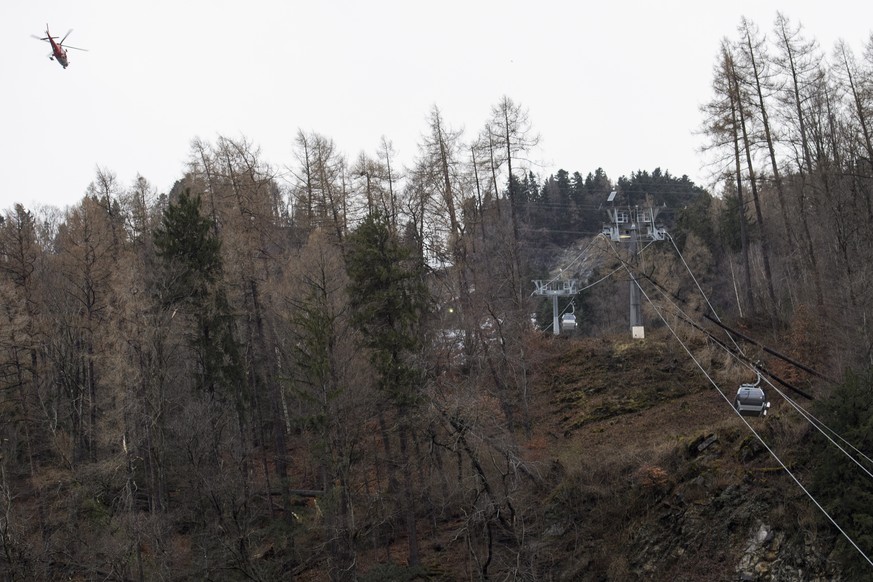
660,479
641,470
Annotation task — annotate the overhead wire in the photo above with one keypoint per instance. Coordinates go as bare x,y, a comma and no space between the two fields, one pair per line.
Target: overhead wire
771,351
570,264
699,288
756,367
748,425
731,332
738,350
819,425
589,286
808,416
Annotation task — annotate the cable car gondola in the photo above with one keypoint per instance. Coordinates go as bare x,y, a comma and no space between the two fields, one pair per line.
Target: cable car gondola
751,400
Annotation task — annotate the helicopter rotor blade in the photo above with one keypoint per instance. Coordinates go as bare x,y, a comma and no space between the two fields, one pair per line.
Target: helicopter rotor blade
75,48
65,36
39,37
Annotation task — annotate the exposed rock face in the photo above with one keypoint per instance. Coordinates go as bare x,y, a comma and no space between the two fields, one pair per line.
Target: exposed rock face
670,486
768,557
693,542
705,529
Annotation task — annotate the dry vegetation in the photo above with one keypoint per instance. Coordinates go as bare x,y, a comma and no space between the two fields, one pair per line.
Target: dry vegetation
330,373
639,469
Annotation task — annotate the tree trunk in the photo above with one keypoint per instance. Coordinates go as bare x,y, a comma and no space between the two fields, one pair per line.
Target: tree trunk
409,512
762,233
744,235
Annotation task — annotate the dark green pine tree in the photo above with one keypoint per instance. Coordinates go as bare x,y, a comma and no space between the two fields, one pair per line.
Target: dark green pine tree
191,259
389,299
563,213
577,189
589,215
597,188
565,188
529,205
190,252
660,187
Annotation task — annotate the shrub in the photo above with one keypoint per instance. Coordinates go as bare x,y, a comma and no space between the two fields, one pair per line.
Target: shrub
840,485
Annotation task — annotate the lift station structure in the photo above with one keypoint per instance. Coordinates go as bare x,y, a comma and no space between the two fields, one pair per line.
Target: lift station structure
633,225
555,289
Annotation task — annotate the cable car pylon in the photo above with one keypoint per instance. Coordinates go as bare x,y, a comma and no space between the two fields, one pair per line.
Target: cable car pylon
632,225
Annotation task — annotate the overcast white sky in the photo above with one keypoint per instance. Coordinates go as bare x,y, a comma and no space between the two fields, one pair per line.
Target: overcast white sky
615,85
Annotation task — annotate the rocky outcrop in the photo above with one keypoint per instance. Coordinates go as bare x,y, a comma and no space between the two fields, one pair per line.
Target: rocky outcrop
767,556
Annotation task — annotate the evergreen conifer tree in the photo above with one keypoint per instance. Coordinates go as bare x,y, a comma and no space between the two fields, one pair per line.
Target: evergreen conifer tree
388,297
191,254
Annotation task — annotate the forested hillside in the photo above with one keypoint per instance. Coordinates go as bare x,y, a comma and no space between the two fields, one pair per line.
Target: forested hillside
331,374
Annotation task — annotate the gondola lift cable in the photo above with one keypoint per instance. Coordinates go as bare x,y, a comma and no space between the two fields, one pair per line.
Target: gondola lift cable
753,431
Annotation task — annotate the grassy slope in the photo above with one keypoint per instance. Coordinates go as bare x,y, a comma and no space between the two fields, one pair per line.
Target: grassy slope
626,420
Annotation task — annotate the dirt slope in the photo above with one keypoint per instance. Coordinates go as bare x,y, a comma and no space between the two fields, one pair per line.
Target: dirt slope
661,480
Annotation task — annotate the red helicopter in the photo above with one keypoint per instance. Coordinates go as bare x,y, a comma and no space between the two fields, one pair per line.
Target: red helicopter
59,50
